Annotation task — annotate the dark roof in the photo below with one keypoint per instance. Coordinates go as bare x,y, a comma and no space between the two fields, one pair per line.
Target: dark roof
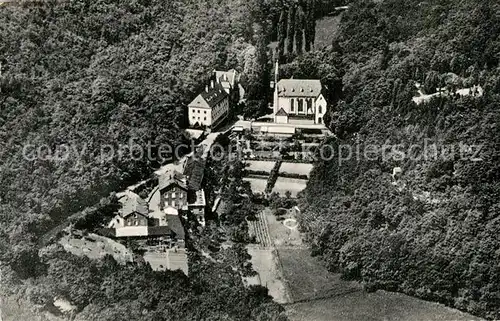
281,112
212,95
175,224
159,230
195,171
134,204
171,178
299,88
106,232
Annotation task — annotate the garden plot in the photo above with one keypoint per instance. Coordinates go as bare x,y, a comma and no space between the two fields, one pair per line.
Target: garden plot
258,185
296,168
292,185
260,166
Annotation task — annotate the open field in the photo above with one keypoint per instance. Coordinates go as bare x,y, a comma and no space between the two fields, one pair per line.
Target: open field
258,185
264,263
378,306
260,166
96,247
296,168
293,185
170,260
308,279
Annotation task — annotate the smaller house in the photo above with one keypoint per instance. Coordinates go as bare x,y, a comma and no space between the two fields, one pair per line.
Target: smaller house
134,220
173,188
210,107
134,212
230,80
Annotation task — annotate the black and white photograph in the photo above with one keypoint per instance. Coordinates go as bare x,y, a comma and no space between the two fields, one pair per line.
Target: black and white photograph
249,160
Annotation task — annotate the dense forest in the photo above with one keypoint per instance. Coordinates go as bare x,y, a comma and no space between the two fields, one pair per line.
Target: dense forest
88,74
430,230
79,76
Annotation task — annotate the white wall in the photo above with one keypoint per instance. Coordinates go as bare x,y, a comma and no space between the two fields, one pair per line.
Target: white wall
320,104
132,231
282,119
284,103
202,116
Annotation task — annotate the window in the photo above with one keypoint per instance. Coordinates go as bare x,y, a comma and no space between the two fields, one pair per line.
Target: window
292,105
205,112
173,203
320,109
309,105
198,111
173,194
301,106
204,118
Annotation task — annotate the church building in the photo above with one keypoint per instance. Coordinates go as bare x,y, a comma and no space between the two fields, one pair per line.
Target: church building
298,101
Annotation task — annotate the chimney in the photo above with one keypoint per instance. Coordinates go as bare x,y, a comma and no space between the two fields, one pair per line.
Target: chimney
206,88
212,83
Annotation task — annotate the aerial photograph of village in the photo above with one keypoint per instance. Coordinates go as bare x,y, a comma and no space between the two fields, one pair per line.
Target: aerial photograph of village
249,160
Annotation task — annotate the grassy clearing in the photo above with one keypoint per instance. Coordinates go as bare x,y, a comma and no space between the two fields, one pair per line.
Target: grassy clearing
308,279
258,185
296,168
265,264
260,166
280,234
96,247
293,185
171,259
378,306
13,309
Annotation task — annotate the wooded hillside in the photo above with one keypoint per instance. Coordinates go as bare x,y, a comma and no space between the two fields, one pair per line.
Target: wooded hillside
432,231
92,75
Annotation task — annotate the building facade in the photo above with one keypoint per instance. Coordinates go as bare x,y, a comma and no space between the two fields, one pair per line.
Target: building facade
173,190
298,101
210,107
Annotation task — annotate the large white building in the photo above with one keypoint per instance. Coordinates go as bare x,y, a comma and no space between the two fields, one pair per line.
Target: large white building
210,107
299,101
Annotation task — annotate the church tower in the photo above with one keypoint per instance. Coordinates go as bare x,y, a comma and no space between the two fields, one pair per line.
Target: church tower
275,105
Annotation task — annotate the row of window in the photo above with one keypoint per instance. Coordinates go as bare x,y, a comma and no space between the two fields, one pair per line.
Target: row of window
198,111
301,105
173,194
204,118
173,203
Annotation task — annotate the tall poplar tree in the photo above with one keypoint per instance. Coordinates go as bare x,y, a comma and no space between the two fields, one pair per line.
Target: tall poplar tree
291,28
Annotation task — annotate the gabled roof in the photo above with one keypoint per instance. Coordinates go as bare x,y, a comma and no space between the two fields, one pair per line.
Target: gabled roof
194,172
132,203
172,178
199,102
299,88
281,112
229,76
211,96
175,224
